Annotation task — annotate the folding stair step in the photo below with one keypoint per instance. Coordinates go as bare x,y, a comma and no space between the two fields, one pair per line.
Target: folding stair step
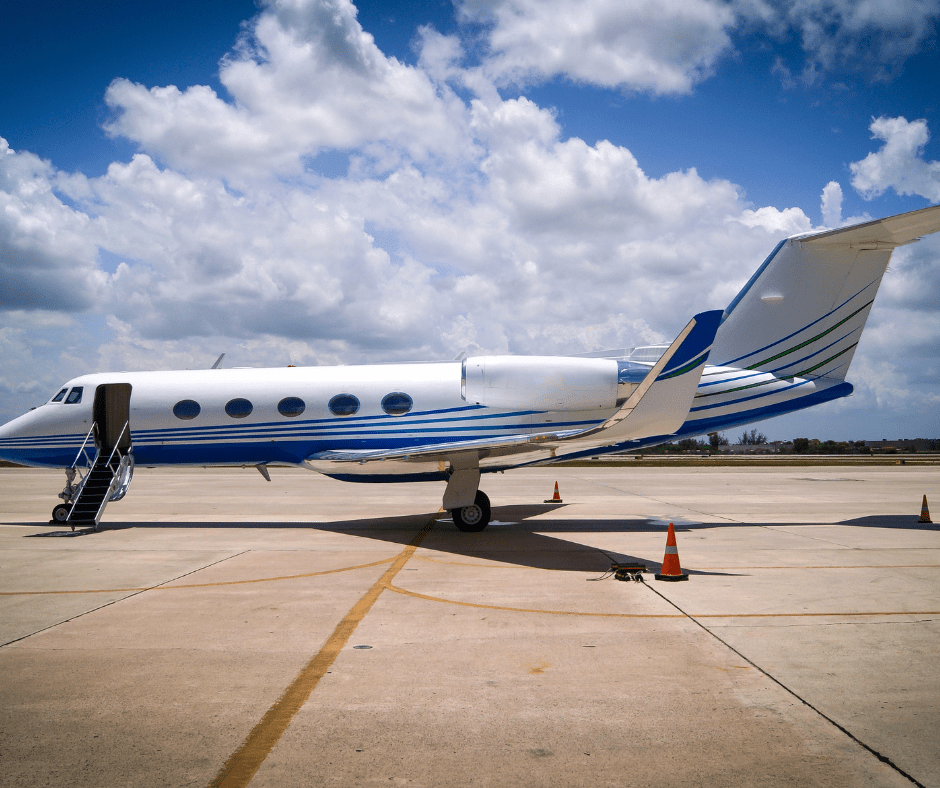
93,493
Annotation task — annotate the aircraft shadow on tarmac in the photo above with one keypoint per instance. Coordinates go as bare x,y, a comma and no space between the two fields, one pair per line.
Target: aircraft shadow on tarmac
906,521
512,536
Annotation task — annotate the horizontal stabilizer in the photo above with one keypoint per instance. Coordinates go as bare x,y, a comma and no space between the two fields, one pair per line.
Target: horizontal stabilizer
893,231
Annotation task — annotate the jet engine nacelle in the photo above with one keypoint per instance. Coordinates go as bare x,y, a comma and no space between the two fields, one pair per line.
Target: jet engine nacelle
545,382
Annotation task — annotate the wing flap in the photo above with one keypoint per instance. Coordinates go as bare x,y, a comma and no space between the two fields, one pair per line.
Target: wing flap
510,444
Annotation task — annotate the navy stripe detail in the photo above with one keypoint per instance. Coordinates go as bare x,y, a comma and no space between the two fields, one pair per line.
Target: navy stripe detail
695,345
752,397
811,339
816,353
823,363
808,325
703,426
411,418
732,380
318,427
738,388
470,431
687,368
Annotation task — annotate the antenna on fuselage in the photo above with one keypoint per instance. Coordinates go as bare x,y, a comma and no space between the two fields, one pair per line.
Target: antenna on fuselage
218,362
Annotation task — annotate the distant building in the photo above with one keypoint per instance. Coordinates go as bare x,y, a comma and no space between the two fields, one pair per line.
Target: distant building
905,445
774,447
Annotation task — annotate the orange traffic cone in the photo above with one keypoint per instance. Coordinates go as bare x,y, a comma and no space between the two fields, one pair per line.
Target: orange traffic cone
671,569
924,512
556,498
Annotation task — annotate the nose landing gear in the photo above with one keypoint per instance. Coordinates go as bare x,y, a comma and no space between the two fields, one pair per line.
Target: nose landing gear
60,513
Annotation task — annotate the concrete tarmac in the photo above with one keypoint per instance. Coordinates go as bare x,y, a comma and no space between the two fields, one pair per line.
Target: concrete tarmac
223,630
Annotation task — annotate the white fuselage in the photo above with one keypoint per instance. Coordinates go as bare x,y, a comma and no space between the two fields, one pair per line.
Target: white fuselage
439,412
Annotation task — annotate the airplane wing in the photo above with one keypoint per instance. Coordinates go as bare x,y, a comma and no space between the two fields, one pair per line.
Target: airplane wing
658,406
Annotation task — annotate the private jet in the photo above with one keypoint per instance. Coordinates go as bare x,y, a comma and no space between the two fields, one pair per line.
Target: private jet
784,343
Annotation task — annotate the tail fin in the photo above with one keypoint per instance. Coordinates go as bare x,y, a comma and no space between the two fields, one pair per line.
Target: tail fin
803,311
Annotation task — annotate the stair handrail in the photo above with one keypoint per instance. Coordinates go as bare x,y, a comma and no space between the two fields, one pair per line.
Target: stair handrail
117,445
116,473
73,489
83,450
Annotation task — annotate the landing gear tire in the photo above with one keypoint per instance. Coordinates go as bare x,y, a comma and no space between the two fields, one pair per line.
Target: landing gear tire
61,513
475,517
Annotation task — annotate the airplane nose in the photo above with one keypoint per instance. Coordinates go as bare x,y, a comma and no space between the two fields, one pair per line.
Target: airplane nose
19,439
8,432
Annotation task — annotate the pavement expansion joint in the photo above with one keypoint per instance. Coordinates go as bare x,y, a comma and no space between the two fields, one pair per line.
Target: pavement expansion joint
883,758
133,592
658,500
783,529
166,587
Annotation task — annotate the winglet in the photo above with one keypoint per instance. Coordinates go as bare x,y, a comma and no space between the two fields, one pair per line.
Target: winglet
660,404
693,350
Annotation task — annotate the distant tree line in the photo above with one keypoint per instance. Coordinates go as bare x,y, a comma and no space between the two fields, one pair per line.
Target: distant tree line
815,446
715,440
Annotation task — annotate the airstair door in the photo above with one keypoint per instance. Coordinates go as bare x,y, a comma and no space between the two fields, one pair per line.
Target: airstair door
112,412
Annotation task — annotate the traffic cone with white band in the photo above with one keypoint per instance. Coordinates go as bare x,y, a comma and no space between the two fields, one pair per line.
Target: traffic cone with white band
556,498
671,569
924,512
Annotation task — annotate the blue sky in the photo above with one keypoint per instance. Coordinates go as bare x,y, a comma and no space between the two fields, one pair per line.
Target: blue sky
312,182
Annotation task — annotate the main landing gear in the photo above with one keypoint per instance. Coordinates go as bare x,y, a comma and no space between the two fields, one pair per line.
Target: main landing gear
474,517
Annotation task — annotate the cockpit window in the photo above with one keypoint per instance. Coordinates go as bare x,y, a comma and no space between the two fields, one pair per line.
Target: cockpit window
75,396
58,397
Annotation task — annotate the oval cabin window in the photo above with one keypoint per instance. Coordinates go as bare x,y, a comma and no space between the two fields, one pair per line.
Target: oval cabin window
397,403
186,409
238,408
344,405
291,406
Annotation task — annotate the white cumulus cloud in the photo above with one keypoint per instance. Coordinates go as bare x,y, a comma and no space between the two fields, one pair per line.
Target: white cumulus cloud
304,78
831,205
661,47
455,219
668,46
46,258
899,165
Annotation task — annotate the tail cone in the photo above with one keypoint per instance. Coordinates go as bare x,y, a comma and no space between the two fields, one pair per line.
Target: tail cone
671,569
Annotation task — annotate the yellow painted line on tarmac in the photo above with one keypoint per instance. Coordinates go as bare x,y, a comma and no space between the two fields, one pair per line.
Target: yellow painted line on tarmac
247,759
469,563
416,595
428,598
200,585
